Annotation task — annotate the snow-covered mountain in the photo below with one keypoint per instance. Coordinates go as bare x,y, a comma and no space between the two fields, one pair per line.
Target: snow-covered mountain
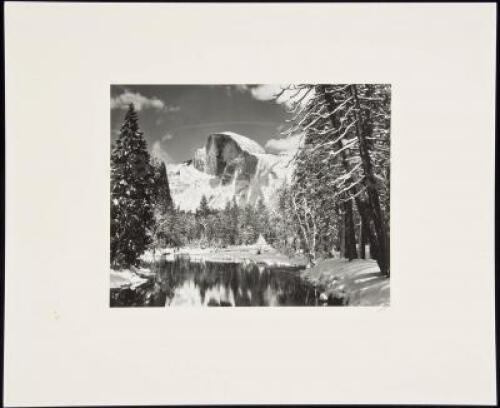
229,165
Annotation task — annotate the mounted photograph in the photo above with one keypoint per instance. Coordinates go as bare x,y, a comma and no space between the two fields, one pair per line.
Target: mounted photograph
250,195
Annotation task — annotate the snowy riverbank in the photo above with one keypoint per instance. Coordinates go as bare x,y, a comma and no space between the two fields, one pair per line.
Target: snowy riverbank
353,283
237,253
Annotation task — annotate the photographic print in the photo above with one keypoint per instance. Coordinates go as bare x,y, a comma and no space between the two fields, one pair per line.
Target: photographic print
250,195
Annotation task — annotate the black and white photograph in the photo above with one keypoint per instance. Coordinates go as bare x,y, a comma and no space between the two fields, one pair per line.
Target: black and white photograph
262,204
250,195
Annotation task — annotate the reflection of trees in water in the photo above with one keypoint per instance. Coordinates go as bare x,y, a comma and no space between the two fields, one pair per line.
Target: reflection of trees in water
233,283
245,284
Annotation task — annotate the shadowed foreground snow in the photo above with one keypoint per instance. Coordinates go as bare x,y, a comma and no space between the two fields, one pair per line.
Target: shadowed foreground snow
355,283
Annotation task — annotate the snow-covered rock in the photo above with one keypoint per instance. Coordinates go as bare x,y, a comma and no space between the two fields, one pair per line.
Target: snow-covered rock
200,159
126,278
230,165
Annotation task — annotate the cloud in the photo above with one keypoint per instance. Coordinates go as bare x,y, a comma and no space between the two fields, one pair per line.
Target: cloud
288,144
158,152
288,97
265,92
167,136
140,102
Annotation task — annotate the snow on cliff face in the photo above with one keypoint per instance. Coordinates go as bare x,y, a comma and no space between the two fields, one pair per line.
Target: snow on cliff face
245,143
230,165
200,159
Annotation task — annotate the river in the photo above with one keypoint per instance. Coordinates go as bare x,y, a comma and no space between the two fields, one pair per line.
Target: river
186,283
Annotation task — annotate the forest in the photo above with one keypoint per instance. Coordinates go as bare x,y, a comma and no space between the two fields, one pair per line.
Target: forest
338,201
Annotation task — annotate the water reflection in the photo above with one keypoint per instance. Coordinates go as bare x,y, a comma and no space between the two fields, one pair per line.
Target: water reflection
185,283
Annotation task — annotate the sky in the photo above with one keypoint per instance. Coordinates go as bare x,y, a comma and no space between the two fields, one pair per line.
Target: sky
177,119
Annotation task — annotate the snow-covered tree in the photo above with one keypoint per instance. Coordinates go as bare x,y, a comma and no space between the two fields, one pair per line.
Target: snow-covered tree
235,223
202,218
372,116
162,198
262,220
285,228
343,165
248,232
163,208
229,232
203,210
132,194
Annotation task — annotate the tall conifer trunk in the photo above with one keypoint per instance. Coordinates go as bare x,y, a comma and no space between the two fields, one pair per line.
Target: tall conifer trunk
373,195
350,235
348,238
367,233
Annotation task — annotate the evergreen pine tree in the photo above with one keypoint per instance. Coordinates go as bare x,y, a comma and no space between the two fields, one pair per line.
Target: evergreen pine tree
164,211
202,218
227,229
132,193
163,199
262,220
203,210
235,227
342,169
248,230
